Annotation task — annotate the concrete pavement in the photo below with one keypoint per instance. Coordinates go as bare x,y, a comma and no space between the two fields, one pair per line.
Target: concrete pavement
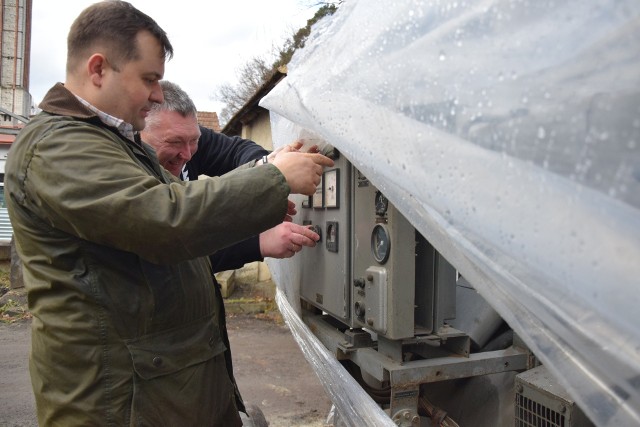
269,367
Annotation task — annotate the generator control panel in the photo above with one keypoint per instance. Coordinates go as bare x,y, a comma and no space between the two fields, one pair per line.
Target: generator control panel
326,283
371,269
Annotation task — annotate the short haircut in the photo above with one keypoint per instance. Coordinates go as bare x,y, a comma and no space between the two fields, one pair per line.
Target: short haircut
114,25
175,99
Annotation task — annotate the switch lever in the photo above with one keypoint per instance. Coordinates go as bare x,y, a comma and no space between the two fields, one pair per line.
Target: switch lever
330,151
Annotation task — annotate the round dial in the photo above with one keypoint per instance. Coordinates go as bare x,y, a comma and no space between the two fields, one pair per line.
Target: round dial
380,243
382,204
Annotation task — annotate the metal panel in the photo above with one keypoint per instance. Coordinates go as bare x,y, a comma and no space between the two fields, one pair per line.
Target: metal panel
326,284
383,264
6,231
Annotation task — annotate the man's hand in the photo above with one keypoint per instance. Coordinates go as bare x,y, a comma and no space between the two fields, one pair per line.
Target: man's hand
285,239
294,146
302,170
291,211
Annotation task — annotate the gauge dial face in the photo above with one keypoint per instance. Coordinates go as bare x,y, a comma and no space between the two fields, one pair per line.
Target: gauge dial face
331,189
382,204
317,200
332,236
380,243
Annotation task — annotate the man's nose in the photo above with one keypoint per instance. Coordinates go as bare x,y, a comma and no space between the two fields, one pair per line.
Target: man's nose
156,95
185,152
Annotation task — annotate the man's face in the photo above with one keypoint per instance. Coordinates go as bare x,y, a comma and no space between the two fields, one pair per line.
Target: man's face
175,139
129,92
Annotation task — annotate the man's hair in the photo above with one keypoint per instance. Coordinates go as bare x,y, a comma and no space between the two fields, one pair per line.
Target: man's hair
114,25
175,99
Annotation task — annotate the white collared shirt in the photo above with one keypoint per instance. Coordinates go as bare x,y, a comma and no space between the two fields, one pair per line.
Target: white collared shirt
123,127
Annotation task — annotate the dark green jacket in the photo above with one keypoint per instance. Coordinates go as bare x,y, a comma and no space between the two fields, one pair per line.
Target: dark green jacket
125,328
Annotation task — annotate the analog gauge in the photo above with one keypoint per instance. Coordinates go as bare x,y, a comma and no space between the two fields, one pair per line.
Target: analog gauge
317,200
331,188
380,243
332,236
382,204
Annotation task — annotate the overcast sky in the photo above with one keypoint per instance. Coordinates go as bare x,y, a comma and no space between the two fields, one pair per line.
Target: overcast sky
211,39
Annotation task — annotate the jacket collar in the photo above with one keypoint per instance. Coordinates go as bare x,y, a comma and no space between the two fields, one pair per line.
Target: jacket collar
60,101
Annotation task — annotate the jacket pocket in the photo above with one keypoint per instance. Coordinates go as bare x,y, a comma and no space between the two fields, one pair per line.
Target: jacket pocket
170,351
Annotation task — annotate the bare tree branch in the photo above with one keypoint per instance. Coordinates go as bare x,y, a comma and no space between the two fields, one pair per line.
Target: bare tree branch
256,71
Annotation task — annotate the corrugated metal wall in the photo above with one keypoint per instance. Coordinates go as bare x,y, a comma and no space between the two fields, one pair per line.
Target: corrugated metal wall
5,225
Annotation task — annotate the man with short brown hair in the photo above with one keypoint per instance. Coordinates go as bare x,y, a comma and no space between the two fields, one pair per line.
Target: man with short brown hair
125,328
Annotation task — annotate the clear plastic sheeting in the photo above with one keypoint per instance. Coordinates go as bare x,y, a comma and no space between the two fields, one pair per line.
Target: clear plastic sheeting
355,405
508,133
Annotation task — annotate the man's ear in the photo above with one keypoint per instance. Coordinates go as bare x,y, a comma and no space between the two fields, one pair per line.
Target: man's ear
96,67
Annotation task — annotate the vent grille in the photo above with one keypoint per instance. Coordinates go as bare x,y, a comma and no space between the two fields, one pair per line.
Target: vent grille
530,413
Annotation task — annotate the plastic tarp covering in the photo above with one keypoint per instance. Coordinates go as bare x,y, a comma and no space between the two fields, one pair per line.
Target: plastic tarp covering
508,133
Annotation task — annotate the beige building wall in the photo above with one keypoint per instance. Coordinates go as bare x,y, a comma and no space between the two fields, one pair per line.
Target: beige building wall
259,129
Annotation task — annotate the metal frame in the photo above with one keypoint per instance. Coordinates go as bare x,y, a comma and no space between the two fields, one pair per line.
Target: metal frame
405,377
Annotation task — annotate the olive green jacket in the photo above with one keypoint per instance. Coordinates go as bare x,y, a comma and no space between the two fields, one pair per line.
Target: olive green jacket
125,328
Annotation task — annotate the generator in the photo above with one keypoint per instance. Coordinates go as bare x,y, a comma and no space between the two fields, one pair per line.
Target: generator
404,322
